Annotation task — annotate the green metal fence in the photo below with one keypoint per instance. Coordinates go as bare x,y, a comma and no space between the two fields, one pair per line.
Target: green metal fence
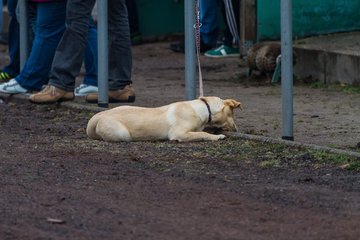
160,17
310,17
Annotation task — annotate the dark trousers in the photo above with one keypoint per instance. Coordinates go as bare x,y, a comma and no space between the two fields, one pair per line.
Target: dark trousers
133,17
14,46
69,54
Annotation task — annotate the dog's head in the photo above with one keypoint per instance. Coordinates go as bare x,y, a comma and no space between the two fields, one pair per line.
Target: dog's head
222,113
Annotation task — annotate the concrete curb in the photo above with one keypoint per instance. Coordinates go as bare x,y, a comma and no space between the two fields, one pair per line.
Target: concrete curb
71,104
78,106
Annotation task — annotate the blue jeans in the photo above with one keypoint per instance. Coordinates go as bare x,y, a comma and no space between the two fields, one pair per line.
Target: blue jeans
48,29
69,53
209,20
14,43
91,57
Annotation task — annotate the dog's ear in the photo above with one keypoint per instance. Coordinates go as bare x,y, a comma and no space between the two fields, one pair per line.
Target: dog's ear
233,103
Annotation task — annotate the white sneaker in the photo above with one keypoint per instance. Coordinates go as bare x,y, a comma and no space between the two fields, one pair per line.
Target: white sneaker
84,90
12,87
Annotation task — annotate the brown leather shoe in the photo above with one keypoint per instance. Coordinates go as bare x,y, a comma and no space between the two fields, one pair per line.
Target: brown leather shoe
50,95
127,94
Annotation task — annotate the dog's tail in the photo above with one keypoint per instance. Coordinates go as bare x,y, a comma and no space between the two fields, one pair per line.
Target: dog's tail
91,127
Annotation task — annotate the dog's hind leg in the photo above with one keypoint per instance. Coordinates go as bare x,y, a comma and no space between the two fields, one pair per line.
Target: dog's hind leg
112,131
91,127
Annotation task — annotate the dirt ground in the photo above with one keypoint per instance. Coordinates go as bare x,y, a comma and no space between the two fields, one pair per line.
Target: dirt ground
55,183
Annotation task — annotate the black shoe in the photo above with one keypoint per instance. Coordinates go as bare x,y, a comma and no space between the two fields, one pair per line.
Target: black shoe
178,47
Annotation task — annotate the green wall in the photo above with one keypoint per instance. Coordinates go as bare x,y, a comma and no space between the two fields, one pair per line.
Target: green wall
310,17
160,17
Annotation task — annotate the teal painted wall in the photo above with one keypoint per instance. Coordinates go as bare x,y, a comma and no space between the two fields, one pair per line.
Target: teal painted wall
310,17
160,17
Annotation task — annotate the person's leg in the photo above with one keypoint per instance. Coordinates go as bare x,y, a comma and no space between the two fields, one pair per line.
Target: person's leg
89,84
69,54
13,68
209,29
91,57
232,13
49,28
120,56
3,34
1,17
70,51
209,20
230,48
133,22
133,16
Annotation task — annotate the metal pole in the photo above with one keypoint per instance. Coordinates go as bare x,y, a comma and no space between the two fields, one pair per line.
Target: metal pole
286,70
103,53
24,32
190,63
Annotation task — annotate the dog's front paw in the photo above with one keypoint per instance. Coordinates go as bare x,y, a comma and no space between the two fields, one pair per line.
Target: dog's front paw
220,136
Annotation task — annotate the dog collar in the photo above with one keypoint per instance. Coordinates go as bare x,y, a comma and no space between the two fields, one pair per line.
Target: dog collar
208,108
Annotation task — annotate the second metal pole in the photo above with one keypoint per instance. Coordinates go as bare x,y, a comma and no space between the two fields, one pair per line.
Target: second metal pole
190,57
103,53
287,70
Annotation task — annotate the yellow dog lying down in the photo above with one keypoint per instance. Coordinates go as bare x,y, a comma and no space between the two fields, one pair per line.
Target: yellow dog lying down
181,121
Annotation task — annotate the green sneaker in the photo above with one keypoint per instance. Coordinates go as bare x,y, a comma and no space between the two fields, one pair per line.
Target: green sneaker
4,77
223,51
